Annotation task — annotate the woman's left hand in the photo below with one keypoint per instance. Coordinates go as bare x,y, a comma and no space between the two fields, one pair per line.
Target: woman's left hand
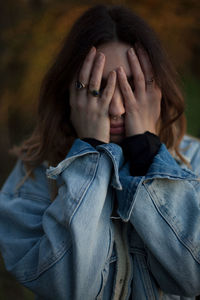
142,105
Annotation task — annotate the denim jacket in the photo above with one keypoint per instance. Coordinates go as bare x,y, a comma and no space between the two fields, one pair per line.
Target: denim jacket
66,249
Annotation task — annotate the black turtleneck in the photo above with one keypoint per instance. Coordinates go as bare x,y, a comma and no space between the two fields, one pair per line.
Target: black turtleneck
139,149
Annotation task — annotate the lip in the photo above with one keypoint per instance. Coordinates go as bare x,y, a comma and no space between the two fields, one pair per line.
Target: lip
116,129
115,125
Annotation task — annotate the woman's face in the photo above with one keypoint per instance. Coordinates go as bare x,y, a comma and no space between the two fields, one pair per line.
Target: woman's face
125,80
116,56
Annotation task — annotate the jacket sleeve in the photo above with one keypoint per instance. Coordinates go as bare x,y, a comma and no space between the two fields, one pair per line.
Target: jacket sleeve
164,208
61,250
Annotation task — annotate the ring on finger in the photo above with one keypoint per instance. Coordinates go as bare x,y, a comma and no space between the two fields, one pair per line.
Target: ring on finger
79,85
94,93
149,81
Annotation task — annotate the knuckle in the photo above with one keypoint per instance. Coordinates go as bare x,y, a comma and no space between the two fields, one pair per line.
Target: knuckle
81,76
139,78
106,94
93,83
126,89
98,64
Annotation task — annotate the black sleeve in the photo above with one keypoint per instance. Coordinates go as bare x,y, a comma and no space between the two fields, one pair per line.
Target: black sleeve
140,150
92,142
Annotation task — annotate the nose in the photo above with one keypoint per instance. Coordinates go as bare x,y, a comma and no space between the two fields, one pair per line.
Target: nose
116,107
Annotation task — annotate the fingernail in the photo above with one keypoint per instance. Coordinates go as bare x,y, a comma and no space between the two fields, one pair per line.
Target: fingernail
131,51
113,73
93,49
120,70
100,55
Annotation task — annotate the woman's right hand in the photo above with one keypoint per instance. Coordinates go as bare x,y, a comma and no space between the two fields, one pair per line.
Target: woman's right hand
89,114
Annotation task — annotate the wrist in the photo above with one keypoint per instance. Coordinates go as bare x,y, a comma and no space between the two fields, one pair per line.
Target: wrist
138,130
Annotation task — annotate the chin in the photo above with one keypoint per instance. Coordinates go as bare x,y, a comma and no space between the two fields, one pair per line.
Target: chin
116,139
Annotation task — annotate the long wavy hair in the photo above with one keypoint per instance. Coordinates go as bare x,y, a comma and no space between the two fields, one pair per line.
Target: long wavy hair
54,134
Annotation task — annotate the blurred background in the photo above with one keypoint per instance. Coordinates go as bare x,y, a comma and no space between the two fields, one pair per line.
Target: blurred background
31,33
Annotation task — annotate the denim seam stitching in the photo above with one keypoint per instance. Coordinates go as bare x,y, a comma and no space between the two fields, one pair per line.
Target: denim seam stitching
54,259
85,187
145,277
171,225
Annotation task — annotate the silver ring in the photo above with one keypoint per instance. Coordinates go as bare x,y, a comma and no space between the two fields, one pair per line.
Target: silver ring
79,85
150,81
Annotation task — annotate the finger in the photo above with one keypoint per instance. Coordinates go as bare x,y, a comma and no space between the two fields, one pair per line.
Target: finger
138,75
109,89
86,68
97,71
146,68
125,87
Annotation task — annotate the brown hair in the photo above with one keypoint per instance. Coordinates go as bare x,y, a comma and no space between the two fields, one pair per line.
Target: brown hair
54,134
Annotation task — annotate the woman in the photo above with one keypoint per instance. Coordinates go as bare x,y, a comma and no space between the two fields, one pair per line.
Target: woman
124,220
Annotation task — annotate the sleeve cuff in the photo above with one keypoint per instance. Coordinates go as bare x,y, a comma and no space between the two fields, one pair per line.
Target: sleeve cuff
93,142
140,150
